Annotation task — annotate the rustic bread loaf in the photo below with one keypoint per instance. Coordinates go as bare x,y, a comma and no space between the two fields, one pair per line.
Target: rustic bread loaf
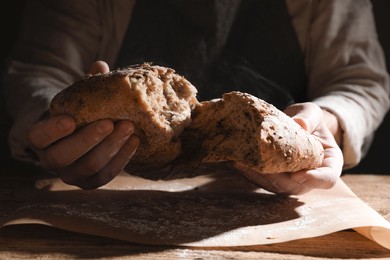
156,99
177,132
247,130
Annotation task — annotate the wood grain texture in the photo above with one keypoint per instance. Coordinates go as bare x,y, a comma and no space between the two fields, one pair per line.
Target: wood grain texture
38,241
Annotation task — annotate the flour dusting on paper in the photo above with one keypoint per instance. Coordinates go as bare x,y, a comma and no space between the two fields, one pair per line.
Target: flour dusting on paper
210,210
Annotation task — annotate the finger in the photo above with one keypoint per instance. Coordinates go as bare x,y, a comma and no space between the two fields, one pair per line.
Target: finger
286,185
320,178
325,176
260,179
47,131
307,115
280,183
68,150
99,156
114,167
99,67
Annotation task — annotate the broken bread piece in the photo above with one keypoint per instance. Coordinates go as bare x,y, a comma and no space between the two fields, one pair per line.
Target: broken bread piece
244,129
155,98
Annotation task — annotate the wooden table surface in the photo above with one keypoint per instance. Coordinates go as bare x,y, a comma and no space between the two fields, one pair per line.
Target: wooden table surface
43,242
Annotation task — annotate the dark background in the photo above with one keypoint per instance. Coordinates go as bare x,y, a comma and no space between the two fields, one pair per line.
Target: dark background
377,160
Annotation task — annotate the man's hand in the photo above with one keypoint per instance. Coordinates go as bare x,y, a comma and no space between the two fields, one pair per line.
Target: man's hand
88,157
312,119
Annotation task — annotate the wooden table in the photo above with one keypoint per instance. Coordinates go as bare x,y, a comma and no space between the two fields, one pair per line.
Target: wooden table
43,242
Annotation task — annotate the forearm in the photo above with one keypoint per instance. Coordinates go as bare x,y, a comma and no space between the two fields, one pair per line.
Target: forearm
25,104
47,57
347,73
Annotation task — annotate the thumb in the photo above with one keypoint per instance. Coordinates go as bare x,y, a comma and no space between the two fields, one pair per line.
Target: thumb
99,67
308,115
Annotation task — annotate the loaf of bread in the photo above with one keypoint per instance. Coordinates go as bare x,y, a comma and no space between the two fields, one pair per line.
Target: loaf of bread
178,131
244,129
156,99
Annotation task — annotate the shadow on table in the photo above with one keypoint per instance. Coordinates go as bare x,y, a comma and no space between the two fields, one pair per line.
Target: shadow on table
134,222
156,216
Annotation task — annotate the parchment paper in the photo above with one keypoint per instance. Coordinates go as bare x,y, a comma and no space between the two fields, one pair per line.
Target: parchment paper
211,210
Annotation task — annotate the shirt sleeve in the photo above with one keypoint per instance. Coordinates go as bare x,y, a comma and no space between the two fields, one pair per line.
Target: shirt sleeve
347,71
57,43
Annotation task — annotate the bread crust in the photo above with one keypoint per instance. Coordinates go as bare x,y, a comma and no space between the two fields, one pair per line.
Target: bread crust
156,99
247,130
177,131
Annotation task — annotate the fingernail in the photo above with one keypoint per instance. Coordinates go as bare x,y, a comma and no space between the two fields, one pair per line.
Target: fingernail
103,127
64,124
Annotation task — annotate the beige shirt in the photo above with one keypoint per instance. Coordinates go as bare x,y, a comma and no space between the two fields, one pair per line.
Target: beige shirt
345,64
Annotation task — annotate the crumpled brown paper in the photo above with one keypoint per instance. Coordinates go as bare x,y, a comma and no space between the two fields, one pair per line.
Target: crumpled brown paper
213,210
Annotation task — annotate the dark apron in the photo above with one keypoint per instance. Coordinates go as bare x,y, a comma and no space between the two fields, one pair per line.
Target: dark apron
221,46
